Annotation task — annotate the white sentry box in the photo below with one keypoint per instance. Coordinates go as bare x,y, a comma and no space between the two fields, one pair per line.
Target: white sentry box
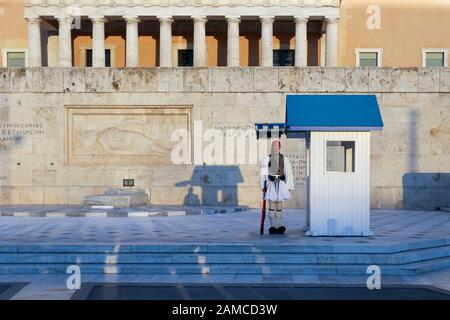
339,184
337,130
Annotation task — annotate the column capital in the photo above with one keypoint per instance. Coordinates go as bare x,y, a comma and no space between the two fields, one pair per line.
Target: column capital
98,19
233,18
64,18
132,19
199,18
301,18
270,19
165,19
331,19
33,19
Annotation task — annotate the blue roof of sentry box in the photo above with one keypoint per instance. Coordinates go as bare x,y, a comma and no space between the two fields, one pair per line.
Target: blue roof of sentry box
332,113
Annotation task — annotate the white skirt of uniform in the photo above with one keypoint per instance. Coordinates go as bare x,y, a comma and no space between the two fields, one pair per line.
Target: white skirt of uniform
283,187
282,194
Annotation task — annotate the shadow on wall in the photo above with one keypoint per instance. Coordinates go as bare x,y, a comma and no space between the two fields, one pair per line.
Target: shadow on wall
426,191
218,185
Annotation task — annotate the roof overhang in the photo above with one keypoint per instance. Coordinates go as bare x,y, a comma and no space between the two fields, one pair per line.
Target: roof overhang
326,113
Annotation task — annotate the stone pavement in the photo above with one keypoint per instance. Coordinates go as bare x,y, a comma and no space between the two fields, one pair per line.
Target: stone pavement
389,228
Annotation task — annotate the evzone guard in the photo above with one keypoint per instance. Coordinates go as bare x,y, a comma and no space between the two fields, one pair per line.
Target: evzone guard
277,183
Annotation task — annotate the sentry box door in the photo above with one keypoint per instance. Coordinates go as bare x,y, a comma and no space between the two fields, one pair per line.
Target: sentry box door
339,190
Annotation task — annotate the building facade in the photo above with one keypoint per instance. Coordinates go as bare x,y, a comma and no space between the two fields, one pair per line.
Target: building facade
147,33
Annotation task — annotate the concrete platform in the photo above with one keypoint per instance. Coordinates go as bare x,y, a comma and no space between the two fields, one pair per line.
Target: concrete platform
390,228
405,243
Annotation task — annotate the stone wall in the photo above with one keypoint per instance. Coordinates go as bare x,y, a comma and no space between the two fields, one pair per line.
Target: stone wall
68,133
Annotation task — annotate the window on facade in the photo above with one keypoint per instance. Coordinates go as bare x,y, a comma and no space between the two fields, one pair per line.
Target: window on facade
368,59
283,58
434,59
340,156
89,57
16,59
185,57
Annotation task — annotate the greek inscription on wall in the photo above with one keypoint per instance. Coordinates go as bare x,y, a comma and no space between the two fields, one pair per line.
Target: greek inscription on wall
298,163
242,130
13,133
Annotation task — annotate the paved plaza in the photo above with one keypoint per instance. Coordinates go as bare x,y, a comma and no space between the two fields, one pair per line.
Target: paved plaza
390,228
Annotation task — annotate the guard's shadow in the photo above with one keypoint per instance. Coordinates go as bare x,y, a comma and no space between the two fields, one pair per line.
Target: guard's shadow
217,185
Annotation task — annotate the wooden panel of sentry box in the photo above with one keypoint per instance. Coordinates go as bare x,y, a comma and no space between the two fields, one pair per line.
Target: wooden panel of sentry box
339,197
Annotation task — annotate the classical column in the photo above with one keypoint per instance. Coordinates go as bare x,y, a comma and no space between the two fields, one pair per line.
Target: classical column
266,37
233,41
132,41
65,40
331,46
199,41
165,41
301,41
98,39
34,42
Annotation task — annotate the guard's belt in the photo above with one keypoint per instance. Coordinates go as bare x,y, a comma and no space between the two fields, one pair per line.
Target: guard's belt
273,178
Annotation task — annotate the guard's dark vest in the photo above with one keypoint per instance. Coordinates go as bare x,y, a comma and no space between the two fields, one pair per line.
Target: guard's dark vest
280,164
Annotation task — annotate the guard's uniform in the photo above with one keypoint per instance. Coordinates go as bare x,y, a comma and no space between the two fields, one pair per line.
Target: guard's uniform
279,183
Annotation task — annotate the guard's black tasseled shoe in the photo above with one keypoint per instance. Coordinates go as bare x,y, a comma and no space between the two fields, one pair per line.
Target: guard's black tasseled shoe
281,230
272,230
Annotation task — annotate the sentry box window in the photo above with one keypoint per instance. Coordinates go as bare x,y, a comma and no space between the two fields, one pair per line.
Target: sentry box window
340,156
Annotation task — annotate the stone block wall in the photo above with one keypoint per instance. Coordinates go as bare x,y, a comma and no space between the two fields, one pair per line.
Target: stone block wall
67,133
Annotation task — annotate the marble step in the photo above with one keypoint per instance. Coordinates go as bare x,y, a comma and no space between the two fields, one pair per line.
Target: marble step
307,269
222,248
227,258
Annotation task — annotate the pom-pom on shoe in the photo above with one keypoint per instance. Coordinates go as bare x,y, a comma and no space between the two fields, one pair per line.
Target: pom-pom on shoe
281,230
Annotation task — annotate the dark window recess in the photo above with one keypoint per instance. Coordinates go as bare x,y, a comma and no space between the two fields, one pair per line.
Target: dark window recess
283,58
108,58
89,57
185,58
128,182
